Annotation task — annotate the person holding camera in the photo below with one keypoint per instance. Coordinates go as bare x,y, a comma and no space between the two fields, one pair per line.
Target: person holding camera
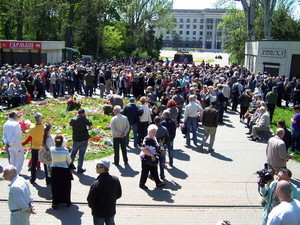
269,194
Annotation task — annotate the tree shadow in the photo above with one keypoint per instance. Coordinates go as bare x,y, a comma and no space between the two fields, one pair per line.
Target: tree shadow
43,192
67,216
229,125
296,181
179,154
127,171
220,156
175,172
160,195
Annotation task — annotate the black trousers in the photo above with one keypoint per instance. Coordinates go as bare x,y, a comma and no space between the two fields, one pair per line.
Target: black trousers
142,131
117,142
145,171
271,109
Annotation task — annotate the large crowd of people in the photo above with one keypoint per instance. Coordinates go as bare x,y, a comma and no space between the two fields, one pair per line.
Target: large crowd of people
171,96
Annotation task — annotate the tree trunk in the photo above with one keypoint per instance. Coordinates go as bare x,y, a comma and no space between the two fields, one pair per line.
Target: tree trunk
268,11
69,30
20,21
250,13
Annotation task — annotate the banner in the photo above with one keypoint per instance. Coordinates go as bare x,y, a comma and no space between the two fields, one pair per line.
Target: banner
21,45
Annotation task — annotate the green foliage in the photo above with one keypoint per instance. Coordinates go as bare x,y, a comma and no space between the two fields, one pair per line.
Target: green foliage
235,35
112,41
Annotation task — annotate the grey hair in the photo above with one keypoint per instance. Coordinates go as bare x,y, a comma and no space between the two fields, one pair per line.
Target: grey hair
11,169
117,108
151,127
38,116
280,131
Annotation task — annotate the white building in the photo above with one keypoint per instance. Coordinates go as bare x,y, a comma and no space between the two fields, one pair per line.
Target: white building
196,29
31,52
278,58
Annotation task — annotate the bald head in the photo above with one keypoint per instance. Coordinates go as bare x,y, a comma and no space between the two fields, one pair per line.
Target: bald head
283,190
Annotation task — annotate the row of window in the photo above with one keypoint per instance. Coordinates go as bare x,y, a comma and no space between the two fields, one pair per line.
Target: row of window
208,27
208,20
208,33
207,45
194,39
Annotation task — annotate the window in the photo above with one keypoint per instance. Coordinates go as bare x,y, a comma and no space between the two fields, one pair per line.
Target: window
181,26
187,26
187,39
195,27
209,20
180,32
188,20
219,33
201,33
181,20
194,38
195,20
168,32
202,21
194,32
201,27
209,33
174,21
187,32
209,27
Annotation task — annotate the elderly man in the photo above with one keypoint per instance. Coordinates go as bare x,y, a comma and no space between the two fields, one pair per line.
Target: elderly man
19,198
270,195
103,194
262,124
12,138
120,127
37,134
191,113
276,152
80,138
288,211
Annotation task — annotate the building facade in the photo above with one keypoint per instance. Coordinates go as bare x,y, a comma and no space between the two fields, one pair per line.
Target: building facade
196,29
277,58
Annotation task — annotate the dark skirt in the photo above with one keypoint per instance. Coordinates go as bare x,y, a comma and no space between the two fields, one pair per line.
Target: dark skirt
61,185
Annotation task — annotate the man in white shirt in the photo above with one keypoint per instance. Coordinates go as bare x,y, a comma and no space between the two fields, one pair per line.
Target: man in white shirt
19,199
12,138
288,211
192,111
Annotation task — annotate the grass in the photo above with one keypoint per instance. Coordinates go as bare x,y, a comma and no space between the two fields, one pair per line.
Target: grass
54,112
286,114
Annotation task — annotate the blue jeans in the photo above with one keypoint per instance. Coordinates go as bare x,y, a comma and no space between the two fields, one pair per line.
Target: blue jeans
81,146
162,162
62,89
101,221
191,125
89,91
135,130
170,151
295,140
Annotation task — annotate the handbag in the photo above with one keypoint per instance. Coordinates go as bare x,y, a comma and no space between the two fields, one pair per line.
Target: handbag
45,156
183,128
149,162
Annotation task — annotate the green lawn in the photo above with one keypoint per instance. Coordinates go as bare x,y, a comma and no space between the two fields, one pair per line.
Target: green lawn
286,114
54,112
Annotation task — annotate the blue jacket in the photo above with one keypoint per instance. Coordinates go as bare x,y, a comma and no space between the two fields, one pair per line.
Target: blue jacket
171,127
133,112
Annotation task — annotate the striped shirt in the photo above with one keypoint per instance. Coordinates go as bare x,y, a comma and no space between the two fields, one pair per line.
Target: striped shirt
60,157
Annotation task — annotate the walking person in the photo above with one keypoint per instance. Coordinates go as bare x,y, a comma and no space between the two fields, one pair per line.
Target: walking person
120,127
191,113
103,194
145,120
80,138
37,135
210,119
19,198
12,138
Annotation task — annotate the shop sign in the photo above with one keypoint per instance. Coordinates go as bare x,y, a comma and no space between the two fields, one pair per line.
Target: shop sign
273,53
21,45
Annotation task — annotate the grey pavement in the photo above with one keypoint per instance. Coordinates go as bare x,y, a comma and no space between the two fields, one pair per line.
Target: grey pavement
202,187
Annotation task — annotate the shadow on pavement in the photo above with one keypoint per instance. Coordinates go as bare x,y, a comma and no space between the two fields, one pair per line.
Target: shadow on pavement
175,172
220,156
161,195
43,192
85,179
67,216
179,154
127,171
135,151
296,182
172,185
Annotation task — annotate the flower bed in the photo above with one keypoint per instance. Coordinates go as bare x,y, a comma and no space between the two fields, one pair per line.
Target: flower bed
55,112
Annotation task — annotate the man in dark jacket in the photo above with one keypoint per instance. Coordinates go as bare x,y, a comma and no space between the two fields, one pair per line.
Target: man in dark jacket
103,194
171,127
210,121
80,138
132,111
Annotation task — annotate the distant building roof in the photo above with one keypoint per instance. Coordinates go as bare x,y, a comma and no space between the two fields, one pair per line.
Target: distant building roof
199,10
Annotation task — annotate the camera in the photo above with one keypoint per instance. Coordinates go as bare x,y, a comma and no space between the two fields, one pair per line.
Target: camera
265,175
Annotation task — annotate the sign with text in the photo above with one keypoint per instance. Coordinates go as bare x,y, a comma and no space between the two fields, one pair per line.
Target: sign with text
273,53
21,45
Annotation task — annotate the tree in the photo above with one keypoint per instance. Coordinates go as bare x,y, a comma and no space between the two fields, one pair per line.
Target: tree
235,35
112,41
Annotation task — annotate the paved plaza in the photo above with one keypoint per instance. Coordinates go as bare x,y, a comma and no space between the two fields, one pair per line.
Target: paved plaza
201,189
